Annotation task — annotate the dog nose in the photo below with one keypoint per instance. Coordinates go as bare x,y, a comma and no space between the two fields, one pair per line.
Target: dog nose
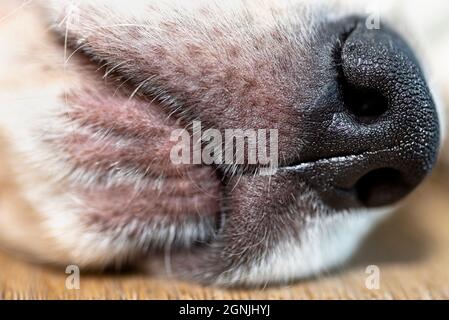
382,134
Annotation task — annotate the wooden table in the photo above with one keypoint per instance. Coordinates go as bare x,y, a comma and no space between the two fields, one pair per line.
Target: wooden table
410,249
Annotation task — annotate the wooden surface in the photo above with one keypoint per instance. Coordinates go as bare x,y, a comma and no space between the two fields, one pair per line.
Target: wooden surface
410,249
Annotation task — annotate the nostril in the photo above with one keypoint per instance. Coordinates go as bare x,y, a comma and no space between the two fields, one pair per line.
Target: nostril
366,104
381,187
375,80
359,94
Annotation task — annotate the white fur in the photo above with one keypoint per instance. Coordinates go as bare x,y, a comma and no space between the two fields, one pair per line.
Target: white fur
326,241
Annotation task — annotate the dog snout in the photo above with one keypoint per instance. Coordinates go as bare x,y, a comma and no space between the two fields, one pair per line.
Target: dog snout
382,136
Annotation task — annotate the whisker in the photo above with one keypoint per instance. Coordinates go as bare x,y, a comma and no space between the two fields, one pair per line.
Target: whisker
74,52
114,68
139,87
15,11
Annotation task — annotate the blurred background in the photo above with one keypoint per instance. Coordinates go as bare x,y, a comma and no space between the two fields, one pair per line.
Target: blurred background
410,249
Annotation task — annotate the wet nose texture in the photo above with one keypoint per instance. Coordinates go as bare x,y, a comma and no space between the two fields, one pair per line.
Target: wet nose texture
382,134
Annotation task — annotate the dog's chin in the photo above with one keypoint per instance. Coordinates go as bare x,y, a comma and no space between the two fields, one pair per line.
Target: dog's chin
317,243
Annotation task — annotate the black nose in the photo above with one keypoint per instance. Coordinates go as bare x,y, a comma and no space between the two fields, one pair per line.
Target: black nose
382,134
